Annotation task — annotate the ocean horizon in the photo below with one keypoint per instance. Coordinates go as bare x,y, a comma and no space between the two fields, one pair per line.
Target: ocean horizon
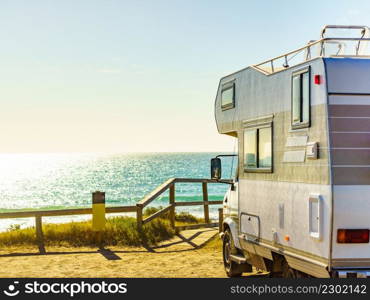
44,181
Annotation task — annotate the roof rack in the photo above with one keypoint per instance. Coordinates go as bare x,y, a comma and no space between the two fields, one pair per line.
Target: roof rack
324,47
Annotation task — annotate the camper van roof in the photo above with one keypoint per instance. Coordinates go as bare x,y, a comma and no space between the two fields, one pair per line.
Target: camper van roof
335,41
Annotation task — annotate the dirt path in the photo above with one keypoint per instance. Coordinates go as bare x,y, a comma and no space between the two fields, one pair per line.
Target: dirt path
194,253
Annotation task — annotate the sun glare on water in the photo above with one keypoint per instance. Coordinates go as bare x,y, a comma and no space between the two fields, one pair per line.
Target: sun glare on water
20,173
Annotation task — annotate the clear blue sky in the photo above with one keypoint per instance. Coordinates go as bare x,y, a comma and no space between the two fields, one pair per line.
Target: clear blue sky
138,75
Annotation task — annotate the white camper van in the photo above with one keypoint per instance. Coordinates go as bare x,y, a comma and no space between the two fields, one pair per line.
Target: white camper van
300,203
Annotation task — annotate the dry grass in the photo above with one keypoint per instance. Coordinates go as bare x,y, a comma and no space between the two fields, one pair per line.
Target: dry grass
119,231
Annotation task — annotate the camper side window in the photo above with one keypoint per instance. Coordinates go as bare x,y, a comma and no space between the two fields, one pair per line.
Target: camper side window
258,149
301,99
228,96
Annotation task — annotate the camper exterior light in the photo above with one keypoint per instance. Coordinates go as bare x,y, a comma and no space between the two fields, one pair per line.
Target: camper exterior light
317,79
349,236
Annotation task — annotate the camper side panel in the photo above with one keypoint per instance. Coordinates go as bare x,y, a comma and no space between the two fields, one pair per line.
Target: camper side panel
278,202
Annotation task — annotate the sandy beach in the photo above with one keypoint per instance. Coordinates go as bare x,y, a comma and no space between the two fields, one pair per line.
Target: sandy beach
194,253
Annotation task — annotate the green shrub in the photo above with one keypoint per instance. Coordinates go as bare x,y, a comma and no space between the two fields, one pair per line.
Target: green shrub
14,227
182,217
185,217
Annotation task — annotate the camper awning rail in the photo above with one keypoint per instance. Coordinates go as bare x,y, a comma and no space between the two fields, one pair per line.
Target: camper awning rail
325,47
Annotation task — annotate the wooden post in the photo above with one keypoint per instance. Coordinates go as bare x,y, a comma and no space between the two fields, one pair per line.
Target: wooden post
98,211
139,218
172,203
39,234
220,219
205,201
98,216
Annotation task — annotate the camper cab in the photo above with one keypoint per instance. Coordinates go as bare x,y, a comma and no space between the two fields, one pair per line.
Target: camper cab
300,203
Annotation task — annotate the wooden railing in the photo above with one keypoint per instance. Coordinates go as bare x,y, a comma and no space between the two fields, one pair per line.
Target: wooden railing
170,185
59,212
138,208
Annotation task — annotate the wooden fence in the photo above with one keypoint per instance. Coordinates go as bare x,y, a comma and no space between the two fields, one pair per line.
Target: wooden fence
138,208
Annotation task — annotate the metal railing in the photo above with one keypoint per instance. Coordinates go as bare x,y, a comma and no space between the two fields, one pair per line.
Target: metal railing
282,62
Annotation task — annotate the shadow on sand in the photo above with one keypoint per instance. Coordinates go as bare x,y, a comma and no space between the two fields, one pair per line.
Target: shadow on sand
112,255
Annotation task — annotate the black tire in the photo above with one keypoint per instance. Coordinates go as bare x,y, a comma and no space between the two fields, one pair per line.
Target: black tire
289,272
232,268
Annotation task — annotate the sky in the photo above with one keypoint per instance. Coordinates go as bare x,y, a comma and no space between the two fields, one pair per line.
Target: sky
138,76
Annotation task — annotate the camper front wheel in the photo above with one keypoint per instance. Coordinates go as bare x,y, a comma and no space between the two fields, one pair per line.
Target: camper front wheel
232,268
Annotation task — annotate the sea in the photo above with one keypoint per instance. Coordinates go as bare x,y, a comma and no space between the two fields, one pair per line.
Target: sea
40,181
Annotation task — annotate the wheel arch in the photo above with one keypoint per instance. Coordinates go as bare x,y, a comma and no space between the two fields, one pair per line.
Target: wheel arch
230,224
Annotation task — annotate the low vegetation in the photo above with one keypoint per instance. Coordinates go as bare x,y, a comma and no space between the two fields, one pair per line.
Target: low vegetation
120,230
180,218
